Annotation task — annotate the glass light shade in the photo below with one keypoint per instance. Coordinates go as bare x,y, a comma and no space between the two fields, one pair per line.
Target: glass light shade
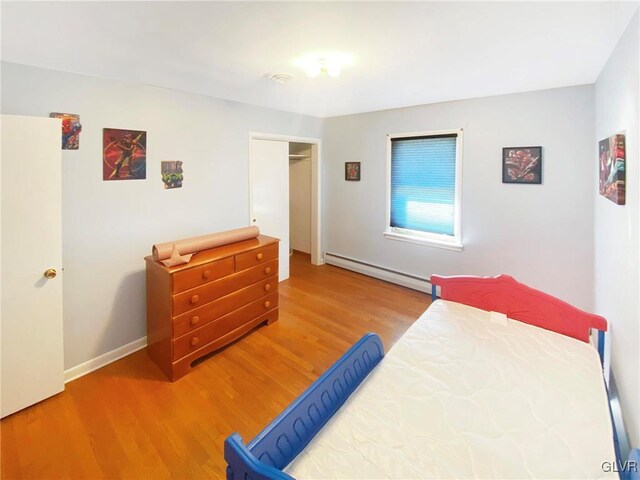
330,65
313,70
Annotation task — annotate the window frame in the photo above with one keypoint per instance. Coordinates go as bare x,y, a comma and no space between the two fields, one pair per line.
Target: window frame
448,242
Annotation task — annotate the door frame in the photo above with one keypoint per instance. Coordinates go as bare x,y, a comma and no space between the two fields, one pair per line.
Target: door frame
316,204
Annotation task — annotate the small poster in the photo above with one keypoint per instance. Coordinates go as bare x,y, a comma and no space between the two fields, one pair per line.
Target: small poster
172,175
612,175
71,129
124,155
522,165
352,171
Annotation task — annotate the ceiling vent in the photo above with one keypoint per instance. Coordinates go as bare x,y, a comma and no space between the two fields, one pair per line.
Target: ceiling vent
280,78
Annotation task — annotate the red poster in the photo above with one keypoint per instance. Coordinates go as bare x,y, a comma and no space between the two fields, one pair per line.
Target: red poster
124,155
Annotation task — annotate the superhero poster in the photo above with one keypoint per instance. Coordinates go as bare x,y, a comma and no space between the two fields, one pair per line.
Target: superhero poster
124,155
71,129
172,174
522,165
612,176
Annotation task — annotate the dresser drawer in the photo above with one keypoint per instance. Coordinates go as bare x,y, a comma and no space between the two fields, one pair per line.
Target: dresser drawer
196,297
255,257
200,316
193,277
200,337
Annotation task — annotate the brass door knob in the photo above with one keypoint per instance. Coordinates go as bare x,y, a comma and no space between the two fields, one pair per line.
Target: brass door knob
50,273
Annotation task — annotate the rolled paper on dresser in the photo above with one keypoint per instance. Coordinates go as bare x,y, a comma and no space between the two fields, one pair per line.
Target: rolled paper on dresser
187,246
176,258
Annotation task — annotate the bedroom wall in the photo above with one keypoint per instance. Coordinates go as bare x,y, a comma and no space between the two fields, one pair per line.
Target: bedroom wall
109,227
617,262
541,234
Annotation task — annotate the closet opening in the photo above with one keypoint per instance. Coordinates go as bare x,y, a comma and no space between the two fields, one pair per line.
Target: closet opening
284,195
300,201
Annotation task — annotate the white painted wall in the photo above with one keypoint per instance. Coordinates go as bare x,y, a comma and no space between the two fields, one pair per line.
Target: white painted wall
300,203
108,227
617,262
541,234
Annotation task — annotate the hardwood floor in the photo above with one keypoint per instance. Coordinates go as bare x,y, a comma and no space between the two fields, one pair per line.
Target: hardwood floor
127,421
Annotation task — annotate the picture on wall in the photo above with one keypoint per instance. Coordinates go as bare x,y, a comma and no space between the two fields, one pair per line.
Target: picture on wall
352,171
522,165
124,155
71,129
172,175
612,168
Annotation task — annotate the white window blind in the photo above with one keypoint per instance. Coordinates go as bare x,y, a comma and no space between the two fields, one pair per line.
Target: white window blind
423,183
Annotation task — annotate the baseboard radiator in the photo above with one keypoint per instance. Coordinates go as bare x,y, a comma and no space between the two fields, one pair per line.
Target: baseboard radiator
400,278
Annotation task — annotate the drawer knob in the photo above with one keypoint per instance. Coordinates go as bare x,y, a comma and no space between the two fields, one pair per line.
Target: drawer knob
206,274
267,304
267,270
195,299
259,256
194,341
194,320
267,287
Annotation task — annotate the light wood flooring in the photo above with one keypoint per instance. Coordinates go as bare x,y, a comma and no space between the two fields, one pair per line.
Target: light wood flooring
127,421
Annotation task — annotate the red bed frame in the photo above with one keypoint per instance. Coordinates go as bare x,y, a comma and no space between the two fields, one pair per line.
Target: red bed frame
506,295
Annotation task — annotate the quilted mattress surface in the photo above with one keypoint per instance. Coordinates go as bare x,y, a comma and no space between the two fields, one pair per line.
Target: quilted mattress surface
463,396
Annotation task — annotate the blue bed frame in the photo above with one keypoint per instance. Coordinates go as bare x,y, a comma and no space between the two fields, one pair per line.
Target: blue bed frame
275,446
264,457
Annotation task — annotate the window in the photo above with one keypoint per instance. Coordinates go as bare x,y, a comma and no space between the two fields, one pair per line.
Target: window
424,178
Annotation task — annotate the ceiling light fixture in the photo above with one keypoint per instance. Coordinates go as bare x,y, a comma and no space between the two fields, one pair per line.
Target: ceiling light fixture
328,64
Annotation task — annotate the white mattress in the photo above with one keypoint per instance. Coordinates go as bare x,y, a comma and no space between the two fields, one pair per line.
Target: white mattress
461,396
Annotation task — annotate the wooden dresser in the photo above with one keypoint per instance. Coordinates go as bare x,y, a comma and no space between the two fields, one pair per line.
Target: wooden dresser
199,307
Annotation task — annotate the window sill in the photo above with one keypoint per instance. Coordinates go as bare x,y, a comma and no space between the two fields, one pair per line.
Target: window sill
430,242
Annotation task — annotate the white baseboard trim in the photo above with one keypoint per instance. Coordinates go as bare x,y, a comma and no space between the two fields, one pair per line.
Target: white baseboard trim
382,273
104,359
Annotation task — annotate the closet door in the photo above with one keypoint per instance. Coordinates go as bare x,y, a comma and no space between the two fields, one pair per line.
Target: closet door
269,165
31,283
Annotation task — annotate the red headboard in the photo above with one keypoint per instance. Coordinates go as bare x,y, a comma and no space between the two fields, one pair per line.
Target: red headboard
505,295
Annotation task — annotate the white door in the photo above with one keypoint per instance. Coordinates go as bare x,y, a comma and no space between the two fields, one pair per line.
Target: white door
31,323
269,166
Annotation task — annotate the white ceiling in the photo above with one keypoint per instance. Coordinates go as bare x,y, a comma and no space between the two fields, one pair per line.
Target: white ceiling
404,53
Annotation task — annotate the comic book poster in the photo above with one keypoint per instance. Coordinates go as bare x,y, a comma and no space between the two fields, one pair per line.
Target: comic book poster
172,175
124,155
352,171
612,168
71,129
522,165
